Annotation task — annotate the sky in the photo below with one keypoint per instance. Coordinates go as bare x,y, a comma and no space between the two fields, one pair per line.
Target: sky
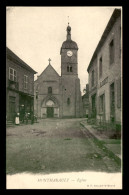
36,34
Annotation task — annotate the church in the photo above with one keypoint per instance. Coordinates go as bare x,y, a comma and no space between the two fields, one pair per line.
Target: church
58,96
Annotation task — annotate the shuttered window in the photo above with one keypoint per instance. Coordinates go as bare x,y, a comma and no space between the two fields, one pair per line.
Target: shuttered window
12,74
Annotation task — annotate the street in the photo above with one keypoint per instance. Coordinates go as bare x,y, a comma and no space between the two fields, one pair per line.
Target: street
53,146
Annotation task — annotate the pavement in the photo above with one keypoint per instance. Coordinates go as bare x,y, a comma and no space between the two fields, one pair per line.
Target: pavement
111,145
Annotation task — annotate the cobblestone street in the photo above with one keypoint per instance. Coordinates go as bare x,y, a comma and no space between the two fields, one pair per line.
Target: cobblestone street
55,145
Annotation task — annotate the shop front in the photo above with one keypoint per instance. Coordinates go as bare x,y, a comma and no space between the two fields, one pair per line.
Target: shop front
25,104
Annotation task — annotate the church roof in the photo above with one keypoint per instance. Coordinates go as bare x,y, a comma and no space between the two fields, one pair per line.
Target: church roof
48,69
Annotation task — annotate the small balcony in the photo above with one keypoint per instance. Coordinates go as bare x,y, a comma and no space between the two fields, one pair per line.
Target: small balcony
13,85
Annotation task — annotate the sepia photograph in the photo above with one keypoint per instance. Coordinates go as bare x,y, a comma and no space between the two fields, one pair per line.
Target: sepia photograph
64,97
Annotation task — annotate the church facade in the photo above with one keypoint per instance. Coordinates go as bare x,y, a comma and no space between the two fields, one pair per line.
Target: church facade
58,96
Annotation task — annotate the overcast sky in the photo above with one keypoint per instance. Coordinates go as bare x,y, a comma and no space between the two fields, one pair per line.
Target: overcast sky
36,34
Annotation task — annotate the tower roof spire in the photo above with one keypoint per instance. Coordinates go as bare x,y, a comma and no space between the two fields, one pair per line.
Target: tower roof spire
68,31
68,44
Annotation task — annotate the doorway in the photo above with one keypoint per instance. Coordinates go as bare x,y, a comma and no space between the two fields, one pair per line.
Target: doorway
93,106
12,106
50,112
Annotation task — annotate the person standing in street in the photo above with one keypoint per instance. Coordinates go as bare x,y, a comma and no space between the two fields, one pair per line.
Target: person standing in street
17,121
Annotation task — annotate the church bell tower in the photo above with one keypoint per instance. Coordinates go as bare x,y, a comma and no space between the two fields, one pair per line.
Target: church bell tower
69,49
71,96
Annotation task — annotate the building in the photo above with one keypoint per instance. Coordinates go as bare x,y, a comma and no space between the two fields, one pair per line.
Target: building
105,73
85,102
19,86
93,79
60,96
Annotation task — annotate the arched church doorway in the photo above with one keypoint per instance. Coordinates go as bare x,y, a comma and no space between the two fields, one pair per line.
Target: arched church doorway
50,108
50,112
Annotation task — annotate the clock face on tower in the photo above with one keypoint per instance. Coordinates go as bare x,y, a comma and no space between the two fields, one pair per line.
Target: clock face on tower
69,53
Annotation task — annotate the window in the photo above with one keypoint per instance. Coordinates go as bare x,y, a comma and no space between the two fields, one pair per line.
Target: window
68,101
100,67
36,94
111,51
49,90
25,82
12,108
69,68
93,99
12,74
101,110
92,79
